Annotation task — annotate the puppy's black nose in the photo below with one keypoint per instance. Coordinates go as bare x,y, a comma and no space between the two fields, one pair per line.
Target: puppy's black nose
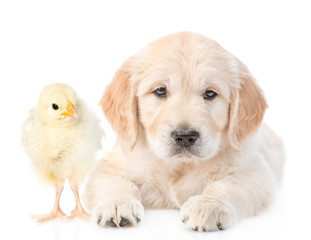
185,138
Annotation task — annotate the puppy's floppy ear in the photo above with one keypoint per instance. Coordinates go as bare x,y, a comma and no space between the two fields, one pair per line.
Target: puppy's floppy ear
119,104
247,108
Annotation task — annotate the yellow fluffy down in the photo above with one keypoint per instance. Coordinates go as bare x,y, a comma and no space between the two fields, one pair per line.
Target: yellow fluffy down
60,152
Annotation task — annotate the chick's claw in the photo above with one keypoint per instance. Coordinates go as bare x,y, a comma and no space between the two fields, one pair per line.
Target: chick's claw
56,214
80,213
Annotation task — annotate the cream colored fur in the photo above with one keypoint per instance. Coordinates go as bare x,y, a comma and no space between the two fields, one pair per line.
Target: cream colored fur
236,163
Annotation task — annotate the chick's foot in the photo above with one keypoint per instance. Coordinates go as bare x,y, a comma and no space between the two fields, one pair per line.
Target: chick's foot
54,214
80,213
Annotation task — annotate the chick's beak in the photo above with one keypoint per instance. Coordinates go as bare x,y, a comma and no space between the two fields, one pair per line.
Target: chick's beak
70,111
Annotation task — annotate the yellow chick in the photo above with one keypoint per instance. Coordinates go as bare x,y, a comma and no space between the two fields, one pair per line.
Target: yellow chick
61,137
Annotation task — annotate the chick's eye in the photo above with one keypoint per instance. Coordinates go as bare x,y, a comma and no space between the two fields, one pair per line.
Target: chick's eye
210,94
55,106
160,92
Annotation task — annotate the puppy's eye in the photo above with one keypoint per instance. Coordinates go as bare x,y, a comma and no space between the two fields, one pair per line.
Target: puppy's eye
55,106
210,94
160,92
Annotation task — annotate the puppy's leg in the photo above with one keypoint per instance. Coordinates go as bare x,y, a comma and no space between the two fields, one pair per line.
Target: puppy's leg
114,201
225,202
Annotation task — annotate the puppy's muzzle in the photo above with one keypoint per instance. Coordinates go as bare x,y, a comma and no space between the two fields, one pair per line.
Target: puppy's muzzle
184,137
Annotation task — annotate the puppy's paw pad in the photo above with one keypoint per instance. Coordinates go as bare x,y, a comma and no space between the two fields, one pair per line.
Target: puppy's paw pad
118,212
200,213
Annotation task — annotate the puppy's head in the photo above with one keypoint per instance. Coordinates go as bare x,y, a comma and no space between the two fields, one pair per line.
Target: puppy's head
189,96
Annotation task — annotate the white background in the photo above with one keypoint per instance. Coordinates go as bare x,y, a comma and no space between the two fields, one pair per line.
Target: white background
82,43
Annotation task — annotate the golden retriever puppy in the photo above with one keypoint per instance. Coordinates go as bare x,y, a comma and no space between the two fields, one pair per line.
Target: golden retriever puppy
188,118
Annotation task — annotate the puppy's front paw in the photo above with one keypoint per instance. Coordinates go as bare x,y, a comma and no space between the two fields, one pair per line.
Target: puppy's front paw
201,213
119,212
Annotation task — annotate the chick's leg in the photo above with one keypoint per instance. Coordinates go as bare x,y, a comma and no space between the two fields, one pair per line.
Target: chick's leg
56,211
79,210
